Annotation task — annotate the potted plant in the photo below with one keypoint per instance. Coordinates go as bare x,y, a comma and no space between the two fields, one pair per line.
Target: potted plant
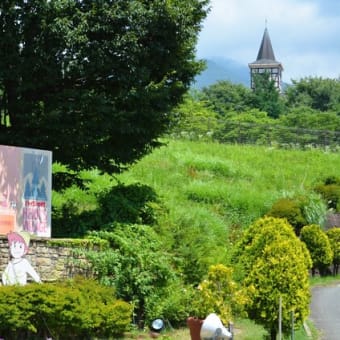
198,312
219,294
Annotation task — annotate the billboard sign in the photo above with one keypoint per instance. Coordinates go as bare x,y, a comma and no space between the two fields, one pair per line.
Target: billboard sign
25,190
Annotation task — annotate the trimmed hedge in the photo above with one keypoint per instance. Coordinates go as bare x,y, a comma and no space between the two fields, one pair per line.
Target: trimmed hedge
74,309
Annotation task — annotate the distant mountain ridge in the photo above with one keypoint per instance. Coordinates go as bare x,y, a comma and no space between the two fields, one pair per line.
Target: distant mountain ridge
219,68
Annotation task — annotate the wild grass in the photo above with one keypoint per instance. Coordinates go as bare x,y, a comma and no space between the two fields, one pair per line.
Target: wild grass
235,183
326,280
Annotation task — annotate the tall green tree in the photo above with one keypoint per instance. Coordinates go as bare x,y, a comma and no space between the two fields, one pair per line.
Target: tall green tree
266,97
193,119
224,96
321,94
94,81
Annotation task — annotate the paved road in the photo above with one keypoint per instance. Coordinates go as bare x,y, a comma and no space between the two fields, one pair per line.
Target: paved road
325,311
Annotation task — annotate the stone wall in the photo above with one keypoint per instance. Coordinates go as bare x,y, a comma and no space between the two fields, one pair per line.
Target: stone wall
52,263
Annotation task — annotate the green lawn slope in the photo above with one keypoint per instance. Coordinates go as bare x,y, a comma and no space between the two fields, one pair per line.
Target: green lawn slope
230,184
212,191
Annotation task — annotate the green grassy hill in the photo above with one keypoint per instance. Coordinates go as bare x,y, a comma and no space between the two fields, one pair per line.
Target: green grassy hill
234,183
212,191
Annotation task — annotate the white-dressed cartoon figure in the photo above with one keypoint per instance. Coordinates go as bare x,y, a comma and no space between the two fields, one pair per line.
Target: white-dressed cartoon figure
18,267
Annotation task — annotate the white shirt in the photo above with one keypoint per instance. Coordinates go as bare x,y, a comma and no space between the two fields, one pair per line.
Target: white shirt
16,272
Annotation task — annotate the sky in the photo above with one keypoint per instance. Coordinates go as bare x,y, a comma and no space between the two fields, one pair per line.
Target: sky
305,34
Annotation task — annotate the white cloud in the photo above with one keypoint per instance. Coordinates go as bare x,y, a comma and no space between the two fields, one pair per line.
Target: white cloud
304,34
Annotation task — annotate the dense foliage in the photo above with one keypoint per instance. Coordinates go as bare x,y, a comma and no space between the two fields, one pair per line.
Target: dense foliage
319,247
94,81
98,201
291,209
329,189
315,92
78,309
333,235
266,97
193,119
219,293
224,96
300,211
306,114
274,264
135,265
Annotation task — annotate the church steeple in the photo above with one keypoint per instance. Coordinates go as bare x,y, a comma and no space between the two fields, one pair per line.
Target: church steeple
266,62
266,50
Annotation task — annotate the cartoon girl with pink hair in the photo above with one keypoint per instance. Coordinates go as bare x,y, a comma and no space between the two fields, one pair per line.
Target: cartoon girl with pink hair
18,267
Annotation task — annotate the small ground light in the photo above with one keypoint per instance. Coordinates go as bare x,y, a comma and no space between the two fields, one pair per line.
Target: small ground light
157,325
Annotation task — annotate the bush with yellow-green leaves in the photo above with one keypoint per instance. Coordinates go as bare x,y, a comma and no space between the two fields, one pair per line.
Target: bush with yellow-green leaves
319,247
334,239
75,309
220,294
274,266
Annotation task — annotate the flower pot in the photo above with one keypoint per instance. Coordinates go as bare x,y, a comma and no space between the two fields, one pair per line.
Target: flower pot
195,325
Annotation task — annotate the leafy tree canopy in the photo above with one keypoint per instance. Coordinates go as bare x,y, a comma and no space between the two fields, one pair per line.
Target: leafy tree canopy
193,118
265,96
305,117
219,293
291,209
315,92
94,81
225,96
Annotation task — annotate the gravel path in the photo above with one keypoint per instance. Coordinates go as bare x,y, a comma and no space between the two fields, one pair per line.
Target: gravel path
325,311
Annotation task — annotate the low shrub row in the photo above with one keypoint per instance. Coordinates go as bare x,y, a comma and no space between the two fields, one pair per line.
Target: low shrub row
74,309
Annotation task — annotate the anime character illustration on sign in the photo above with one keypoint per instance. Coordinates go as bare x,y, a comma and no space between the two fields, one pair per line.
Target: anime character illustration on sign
18,267
25,190
36,194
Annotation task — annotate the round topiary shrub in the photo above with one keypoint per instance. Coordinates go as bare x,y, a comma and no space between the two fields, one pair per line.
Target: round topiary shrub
330,193
290,209
319,247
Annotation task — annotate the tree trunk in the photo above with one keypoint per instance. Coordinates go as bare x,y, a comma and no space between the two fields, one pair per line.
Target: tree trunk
273,333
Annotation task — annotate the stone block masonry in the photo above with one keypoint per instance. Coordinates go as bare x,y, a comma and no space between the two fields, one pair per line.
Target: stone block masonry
52,262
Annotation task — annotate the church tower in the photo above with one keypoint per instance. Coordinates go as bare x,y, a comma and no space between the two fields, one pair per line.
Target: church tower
265,62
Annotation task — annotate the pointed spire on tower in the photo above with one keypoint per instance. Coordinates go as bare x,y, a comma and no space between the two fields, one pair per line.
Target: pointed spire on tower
266,62
266,51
